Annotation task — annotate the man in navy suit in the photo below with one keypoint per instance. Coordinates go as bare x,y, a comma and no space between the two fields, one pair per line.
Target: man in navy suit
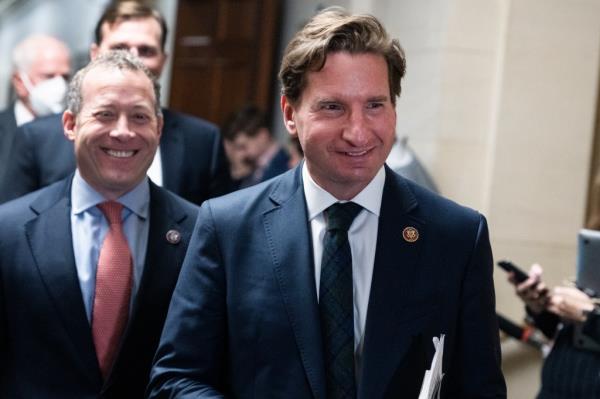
190,160
54,288
283,295
41,69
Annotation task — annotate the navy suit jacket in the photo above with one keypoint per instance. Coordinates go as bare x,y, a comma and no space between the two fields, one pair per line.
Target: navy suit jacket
193,160
8,126
244,319
46,344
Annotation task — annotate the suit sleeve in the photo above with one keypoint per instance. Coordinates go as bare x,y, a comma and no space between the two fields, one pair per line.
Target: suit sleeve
475,371
21,175
190,359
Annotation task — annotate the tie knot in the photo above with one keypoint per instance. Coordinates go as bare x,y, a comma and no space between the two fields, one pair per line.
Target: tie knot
112,211
340,216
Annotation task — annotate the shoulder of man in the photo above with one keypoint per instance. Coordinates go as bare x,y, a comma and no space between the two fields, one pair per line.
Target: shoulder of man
13,213
432,208
257,199
171,203
188,124
7,116
43,132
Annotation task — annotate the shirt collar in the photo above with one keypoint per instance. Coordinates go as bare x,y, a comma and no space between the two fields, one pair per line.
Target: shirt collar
84,197
22,114
317,199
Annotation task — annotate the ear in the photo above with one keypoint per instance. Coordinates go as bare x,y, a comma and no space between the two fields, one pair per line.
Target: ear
94,50
69,121
288,111
19,86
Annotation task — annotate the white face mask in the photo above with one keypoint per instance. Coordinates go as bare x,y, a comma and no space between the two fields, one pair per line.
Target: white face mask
48,96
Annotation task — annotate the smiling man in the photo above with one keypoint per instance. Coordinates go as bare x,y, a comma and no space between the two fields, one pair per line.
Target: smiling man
332,280
88,264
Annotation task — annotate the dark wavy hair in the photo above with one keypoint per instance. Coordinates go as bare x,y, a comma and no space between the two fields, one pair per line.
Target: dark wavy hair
334,30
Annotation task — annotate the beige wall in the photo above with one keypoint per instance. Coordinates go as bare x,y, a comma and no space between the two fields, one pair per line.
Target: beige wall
499,102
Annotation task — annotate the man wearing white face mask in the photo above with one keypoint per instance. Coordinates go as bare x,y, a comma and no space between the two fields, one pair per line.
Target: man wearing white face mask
41,67
47,97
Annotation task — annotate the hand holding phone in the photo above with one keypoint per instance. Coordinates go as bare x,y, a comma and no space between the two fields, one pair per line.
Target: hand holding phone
535,294
518,273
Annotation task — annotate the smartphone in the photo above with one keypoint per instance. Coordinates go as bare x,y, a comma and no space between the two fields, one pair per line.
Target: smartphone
518,273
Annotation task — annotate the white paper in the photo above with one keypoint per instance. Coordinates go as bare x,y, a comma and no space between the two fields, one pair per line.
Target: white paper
432,381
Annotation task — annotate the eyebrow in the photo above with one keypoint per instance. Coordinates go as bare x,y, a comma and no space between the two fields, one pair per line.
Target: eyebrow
337,99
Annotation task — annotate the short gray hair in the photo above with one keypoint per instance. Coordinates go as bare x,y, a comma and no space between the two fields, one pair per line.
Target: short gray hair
27,51
117,59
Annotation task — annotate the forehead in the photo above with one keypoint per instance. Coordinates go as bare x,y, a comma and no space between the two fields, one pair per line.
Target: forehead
104,84
350,74
134,32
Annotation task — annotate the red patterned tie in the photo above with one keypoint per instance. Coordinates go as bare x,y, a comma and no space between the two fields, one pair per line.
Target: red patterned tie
113,289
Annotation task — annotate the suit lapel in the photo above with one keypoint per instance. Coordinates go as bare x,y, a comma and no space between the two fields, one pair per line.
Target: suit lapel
50,240
292,259
171,151
160,253
387,338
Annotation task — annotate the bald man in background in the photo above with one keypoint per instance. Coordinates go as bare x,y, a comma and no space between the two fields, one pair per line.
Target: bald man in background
41,67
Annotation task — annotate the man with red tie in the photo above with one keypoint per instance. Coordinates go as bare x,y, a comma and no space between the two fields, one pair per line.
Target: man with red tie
88,264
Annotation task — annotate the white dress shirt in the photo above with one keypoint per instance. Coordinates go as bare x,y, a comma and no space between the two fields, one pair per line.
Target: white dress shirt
22,114
362,236
90,227
155,169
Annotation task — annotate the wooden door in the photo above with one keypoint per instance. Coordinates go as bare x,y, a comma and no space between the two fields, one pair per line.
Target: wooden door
224,56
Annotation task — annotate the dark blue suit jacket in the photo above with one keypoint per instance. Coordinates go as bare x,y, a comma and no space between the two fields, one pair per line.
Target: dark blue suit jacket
8,126
244,319
193,160
46,345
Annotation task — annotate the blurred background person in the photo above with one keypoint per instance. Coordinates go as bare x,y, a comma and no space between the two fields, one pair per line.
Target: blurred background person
41,66
404,161
254,154
569,316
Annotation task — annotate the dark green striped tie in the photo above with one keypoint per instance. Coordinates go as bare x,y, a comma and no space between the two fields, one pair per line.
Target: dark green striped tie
336,304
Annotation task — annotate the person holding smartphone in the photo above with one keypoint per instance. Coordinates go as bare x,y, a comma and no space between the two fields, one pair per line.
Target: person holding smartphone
571,318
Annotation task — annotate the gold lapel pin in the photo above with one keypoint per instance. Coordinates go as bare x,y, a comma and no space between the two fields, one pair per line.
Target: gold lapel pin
410,234
173,236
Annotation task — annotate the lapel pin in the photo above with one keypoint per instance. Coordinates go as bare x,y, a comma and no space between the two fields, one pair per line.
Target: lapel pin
173,236
410,234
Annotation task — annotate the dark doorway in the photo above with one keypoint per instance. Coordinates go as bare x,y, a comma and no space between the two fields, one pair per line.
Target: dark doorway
224,56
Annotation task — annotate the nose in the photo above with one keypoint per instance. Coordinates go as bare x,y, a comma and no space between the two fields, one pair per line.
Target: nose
121,129
356,131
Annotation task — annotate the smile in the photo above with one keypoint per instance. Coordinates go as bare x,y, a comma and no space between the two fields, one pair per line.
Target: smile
120,154
356,153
